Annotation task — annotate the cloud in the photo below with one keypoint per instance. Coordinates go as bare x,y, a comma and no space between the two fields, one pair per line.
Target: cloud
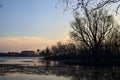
15,43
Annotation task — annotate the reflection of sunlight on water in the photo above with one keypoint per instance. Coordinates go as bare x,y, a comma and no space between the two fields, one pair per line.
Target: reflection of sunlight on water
34,72
19,61
31,61
18,76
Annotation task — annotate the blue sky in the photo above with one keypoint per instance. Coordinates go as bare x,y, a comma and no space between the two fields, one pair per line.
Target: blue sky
32,18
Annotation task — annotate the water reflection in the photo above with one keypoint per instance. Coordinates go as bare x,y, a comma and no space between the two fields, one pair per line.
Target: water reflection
18,76
72,72
28,61
48,63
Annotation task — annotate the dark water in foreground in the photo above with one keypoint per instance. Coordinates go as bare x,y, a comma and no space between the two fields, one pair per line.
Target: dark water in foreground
30,68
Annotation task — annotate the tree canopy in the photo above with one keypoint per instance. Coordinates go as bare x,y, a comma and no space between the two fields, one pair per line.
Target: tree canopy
91,4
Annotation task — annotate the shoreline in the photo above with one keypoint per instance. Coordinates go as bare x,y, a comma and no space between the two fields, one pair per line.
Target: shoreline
87,62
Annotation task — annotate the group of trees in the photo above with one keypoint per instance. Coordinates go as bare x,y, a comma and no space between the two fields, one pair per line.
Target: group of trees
59,49
94,31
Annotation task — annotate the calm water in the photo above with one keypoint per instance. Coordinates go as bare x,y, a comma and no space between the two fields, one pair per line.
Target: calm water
26,61
33,68
18,76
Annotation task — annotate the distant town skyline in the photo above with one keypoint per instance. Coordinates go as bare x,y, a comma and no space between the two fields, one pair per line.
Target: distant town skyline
32,24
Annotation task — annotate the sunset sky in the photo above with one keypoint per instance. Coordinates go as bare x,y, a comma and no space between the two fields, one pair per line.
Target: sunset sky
32,24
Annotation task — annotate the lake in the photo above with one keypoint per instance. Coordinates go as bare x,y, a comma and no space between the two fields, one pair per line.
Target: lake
33,68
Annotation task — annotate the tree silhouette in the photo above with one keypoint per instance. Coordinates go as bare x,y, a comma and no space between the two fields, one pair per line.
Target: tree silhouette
92,30
91,4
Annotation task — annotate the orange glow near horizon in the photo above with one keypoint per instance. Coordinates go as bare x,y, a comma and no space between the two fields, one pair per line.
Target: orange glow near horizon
17,44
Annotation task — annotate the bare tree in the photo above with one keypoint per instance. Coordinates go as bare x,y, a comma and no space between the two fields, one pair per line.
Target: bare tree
92,26
90,4
54,50
113,42
93,29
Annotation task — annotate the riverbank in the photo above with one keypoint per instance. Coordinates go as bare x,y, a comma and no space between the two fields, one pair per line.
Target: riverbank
88,59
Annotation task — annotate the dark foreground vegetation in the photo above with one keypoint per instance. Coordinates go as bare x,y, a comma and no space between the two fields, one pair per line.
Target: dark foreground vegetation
88,59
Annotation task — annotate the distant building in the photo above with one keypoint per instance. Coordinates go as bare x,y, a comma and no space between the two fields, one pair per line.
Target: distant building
28,53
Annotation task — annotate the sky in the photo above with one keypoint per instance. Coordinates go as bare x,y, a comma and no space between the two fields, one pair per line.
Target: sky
32,24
